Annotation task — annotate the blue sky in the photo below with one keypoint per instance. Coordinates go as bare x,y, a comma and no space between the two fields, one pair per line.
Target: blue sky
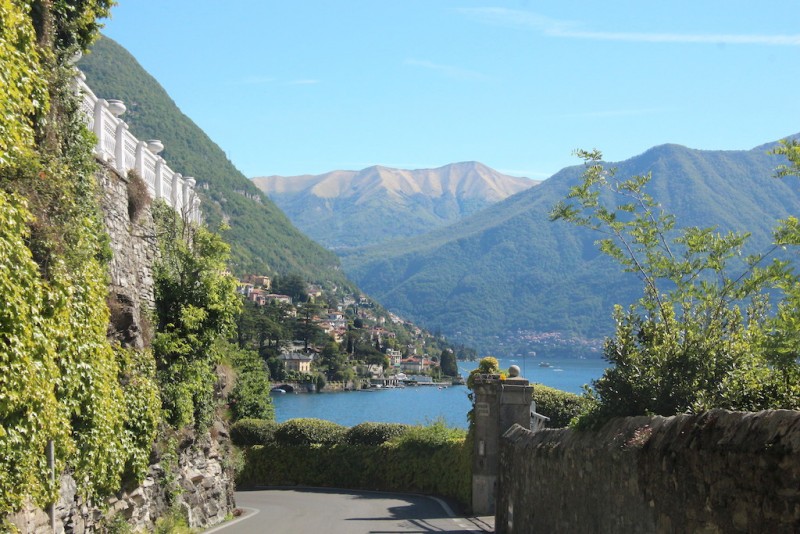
305,87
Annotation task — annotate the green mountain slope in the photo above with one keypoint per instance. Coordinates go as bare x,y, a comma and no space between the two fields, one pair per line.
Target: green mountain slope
343,209
508,268
261,237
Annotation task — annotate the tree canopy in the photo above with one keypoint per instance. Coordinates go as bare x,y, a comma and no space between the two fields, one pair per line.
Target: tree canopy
700,336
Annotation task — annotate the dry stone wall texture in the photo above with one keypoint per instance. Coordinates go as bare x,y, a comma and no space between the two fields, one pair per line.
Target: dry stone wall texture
717,472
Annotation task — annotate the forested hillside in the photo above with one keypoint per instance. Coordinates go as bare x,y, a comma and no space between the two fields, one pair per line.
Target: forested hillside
261,237
508,268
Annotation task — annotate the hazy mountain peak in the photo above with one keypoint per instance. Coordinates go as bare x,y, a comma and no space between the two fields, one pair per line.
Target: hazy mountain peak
390,202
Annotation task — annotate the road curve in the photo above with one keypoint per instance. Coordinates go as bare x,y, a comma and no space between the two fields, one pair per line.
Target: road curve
334,511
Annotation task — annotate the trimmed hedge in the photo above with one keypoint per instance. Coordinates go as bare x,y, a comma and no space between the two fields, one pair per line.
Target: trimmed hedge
308,431
560,406
249,432
431,460
374,433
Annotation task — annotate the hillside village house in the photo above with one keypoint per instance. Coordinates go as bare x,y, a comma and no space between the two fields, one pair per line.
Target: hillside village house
395,356
314,292
414,364
296,361
258,280
260,296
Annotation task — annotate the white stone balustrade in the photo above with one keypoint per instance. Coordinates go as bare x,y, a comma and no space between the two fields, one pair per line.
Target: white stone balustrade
120,149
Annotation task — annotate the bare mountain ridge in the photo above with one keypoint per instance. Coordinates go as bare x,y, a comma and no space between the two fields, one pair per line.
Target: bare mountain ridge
466,180
343,209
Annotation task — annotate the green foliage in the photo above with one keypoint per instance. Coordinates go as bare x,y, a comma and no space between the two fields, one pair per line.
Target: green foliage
487,366
374,433
447,362
439,463
560,406
29,409
309,431
24,94
196,304
427,439
291,284
250,396
265,329
686,345
790,149
59,377
116,525
137,375
172,523
334,364
249,432
75,24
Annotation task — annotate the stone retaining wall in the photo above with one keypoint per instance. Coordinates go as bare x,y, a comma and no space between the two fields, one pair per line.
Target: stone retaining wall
134,251
716,472
198,480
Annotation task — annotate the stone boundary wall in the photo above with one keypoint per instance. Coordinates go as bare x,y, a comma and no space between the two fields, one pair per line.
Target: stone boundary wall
201,481
715,472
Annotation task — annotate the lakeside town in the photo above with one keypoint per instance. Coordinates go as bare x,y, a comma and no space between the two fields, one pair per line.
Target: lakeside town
336,340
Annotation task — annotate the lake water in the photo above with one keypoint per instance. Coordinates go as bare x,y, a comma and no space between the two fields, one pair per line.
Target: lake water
425,404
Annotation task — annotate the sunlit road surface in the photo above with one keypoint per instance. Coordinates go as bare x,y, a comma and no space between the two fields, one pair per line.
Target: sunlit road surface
330,511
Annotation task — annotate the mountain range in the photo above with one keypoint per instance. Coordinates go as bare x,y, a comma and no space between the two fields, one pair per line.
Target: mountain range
508,272
500,272
345,209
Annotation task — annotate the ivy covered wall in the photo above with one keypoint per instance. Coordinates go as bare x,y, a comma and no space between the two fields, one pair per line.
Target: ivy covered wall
61,379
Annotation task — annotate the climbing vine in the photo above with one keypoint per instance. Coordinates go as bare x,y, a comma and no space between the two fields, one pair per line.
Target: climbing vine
60,378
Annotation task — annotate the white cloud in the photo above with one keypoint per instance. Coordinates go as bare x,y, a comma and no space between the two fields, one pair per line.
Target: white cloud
572,30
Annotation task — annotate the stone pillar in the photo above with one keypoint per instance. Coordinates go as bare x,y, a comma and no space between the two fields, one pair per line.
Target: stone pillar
498,405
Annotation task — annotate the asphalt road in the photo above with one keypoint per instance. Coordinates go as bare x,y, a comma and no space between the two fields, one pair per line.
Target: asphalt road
331,511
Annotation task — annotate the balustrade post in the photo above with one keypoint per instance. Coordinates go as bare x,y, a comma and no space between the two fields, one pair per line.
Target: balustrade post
98,111
160,163
196,208
177,194
98,126
188,196
119,148
139,162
